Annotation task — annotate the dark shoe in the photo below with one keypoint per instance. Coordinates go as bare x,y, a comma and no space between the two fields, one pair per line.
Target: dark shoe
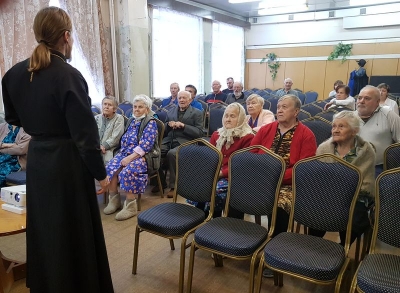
155,189
268,273
170,193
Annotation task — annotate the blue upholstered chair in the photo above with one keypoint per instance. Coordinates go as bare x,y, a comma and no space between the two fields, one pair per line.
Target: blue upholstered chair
322,129
124,106
391,157
320,104
16,178
95,110
325,190
303,115
302,97
267,105
380,272
274,104
194,181
120,111
128,112
216,112
327,115
312,109
255,195
311,96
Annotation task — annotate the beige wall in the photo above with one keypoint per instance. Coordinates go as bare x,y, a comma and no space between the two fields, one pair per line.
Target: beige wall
320,75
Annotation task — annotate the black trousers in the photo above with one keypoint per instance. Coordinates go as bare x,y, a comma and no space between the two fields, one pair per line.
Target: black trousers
281,223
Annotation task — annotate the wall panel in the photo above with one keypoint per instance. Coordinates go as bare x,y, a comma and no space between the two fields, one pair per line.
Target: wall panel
387,48
384,66
334,70
295,70
257,75
314,76
269,83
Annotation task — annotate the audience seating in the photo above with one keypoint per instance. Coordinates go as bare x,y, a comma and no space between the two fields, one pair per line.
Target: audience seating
128,112
322,129
160,129
95,110
267,105
320,104
157,102
310,258
302,97
312,109
195,181
303,115
391,157
120,111
299,90
216,112
255,195
16,178
274,104
327,115
379,272
124,106
311,96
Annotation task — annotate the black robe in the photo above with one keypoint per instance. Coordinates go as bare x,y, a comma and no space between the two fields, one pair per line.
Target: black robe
66,250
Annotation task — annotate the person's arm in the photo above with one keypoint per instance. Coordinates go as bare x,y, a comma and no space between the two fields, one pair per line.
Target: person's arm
11,115
213,138
116,133
394,124
267,118
344,102
20,147
395,108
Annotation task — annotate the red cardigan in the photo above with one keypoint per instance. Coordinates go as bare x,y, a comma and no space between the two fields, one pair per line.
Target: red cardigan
303,145
239,143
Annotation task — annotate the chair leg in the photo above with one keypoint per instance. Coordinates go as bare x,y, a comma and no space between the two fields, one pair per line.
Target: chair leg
160,187
257,219
252,271
139,202
136,250
357,253
259,274
280,279
182,263
218,261
353,287
366,243
298,225
191,266
171,243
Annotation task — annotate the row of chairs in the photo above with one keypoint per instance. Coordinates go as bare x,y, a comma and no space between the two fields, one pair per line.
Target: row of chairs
315,183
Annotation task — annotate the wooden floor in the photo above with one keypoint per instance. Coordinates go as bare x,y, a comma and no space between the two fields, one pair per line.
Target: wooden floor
158,266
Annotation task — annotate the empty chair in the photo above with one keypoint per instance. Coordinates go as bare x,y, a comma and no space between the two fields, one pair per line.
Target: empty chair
379,272
322,130
125,105
391,157
233,237
268,90
267,105
200,97
195,182
274,104
317,260
302,97
321,104
303,115
312,109
327,115
311,96
95,110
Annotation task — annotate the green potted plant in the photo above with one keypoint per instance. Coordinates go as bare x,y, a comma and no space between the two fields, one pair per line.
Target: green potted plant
341,50
273,64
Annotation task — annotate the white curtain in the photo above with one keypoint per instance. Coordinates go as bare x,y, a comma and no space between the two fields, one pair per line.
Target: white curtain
227,53
177,48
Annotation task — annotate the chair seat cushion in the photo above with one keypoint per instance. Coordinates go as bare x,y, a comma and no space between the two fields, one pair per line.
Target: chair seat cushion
379,273
170,218
16,178
231,236
306,255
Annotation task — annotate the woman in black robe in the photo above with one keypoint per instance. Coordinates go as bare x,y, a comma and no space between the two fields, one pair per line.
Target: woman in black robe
66,250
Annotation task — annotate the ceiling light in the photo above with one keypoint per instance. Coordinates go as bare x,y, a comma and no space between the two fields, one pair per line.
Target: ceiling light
242,1
281,7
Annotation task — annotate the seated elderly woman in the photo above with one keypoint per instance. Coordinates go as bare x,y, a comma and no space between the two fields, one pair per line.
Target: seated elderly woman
129,167
234,135
346,144
385,101
111,127
13,150
293,141
342,100
258,116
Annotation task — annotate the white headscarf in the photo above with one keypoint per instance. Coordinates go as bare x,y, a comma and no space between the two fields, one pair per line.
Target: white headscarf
226,136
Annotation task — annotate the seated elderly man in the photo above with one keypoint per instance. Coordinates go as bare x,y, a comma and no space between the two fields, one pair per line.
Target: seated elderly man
216,94
111,127
238,95
380,125
193,91
184,123
229,83
258,116
287,89
174,89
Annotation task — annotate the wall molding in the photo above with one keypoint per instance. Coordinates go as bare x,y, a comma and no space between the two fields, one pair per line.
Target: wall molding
324,58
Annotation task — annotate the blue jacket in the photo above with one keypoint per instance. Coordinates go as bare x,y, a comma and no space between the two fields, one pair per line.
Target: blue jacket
166,101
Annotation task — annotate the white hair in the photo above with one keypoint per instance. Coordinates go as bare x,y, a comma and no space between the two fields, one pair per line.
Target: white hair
144,99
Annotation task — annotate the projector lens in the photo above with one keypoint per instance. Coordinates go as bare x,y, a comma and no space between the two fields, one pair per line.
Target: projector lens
17,197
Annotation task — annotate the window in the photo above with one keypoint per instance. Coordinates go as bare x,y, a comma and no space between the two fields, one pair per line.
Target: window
227,52
177,48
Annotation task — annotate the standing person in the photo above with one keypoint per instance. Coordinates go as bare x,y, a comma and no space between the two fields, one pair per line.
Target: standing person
66,250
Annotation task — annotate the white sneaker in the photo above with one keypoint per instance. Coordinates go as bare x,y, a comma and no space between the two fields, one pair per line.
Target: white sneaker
129,210
114,203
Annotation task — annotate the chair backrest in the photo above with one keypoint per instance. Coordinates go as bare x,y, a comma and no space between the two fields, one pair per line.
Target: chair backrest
327,115
200,97
255,180
120,111
322,130
197,180
387,208
128,112
303,115
302,97
311,96
274,104
203,104
391,157
215,118
267,105
162,115
157,102
325,188
320,104
312,109
161,130
96,110
125,106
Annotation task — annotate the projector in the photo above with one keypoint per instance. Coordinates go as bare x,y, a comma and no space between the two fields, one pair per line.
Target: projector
14,195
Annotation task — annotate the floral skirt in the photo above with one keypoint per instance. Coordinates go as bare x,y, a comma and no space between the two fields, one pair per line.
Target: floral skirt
220,196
